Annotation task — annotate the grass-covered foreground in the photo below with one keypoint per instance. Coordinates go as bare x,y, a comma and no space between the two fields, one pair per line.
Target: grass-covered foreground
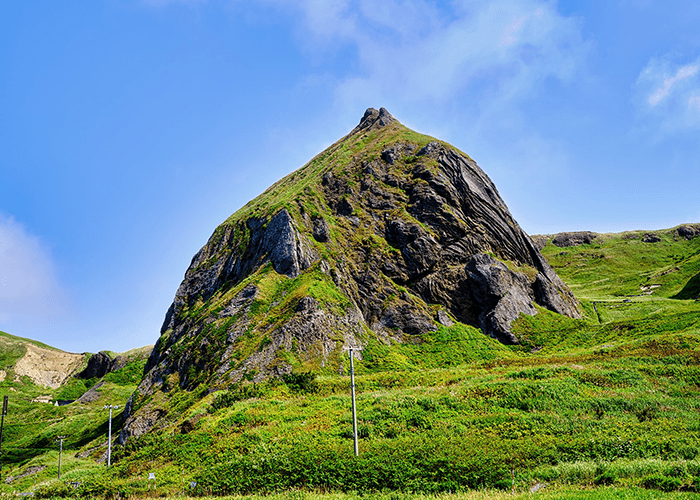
599,493
603,407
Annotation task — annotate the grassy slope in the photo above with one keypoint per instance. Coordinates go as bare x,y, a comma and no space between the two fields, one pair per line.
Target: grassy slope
628,290
622,265
30,429
609,401
612,398
21,340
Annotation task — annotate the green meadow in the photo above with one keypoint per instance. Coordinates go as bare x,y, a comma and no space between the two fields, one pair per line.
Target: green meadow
603,407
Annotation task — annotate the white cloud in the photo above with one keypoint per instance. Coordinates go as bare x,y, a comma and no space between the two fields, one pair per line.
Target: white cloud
670,93
668,83
422,51
694,102
29,288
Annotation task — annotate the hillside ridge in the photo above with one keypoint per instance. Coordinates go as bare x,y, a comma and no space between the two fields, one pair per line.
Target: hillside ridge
616,392
385,237
48,366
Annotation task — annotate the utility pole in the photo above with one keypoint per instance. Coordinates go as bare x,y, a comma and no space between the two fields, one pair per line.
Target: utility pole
60,452
2,425
109,434
354,406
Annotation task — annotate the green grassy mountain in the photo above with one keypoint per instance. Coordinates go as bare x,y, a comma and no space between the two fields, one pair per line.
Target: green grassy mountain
383,240
489,359
40,382
636,281
610,399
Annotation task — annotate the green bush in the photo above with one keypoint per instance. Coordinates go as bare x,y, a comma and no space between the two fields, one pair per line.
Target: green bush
412,464
224,400
662,482
75,388
304,382
55,489
237,392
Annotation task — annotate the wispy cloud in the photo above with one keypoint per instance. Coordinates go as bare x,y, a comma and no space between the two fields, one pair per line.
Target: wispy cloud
670,93
29,289
662,92
491,60
418,51
694,103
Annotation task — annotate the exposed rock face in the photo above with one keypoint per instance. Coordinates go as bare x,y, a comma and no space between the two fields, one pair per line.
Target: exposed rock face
501,295
386,234
688,231
275,240
101,364
321,230
373,119
563,240
140,423
48,367
92,394
540,240
35,469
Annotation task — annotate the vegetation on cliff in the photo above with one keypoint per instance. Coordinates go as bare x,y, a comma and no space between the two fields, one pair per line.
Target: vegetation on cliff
247,390
387,240
609,401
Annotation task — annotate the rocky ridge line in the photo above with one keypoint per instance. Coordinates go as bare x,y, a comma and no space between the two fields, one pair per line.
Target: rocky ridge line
397,233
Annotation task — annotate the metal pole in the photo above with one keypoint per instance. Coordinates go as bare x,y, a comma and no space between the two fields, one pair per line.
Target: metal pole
60,452
2,425
109,434
354,410
109,439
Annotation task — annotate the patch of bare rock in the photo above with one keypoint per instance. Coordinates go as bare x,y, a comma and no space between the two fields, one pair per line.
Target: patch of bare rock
47,367
563,240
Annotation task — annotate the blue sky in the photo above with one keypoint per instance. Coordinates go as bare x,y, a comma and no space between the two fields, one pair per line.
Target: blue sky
129,129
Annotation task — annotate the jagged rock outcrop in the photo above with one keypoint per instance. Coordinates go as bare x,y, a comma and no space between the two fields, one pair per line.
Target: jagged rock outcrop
101,364
387,234
92,394
573,239
687,231
275,240
540,240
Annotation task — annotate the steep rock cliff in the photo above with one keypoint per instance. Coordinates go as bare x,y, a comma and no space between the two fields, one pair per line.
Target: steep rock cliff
387,234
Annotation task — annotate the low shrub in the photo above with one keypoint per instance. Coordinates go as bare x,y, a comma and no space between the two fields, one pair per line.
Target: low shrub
237,392
223,400
304,382
662,482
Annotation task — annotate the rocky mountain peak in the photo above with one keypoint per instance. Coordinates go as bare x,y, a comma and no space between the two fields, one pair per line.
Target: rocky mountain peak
373,119
384,237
